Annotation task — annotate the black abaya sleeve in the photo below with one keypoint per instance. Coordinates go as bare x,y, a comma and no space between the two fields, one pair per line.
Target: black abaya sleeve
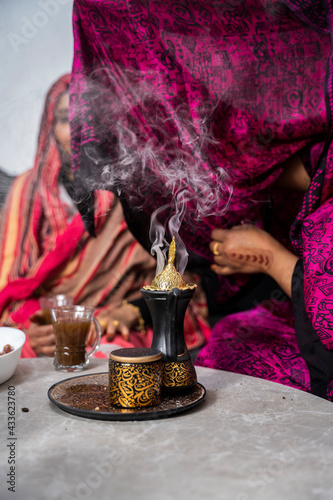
318,359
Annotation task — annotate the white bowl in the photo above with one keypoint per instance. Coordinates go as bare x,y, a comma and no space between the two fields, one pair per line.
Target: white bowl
8,362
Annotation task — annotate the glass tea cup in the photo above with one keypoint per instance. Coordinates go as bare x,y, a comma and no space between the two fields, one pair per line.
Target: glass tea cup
50,301
71,326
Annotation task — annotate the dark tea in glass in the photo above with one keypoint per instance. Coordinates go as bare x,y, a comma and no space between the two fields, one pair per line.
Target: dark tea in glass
71,327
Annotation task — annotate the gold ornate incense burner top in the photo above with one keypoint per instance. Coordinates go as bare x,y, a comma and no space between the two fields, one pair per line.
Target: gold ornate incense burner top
170,278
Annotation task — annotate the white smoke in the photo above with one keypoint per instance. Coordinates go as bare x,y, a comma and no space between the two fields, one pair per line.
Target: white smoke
155,148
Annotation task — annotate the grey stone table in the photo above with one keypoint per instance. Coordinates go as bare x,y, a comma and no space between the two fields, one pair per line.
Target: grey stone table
248,440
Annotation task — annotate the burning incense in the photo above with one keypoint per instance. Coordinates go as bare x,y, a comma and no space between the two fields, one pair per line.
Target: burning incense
170,278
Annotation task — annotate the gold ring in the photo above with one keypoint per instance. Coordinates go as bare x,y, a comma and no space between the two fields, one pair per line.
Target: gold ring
115,323
215,251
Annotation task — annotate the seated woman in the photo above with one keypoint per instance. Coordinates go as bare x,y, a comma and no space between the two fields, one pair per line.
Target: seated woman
45,249
226,94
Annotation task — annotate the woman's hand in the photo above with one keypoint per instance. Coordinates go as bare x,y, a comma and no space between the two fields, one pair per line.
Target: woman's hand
121,320
242,249
248,249
41,336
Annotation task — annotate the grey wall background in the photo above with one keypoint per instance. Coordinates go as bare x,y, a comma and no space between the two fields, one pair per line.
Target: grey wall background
36,47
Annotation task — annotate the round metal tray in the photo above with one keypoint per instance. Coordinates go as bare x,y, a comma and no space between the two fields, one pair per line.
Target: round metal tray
88,396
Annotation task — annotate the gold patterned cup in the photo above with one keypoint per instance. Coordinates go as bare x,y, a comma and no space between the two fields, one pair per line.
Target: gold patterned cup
135,377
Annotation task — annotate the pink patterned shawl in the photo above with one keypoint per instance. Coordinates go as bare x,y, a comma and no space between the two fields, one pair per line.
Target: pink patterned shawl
222,92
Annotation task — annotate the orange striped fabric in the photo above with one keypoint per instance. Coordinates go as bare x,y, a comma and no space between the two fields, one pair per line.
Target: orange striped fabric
41,252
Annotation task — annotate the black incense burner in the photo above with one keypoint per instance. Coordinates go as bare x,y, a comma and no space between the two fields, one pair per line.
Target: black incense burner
167,298
167,309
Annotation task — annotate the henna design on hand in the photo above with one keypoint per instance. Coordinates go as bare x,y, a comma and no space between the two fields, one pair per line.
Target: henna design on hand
260,258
